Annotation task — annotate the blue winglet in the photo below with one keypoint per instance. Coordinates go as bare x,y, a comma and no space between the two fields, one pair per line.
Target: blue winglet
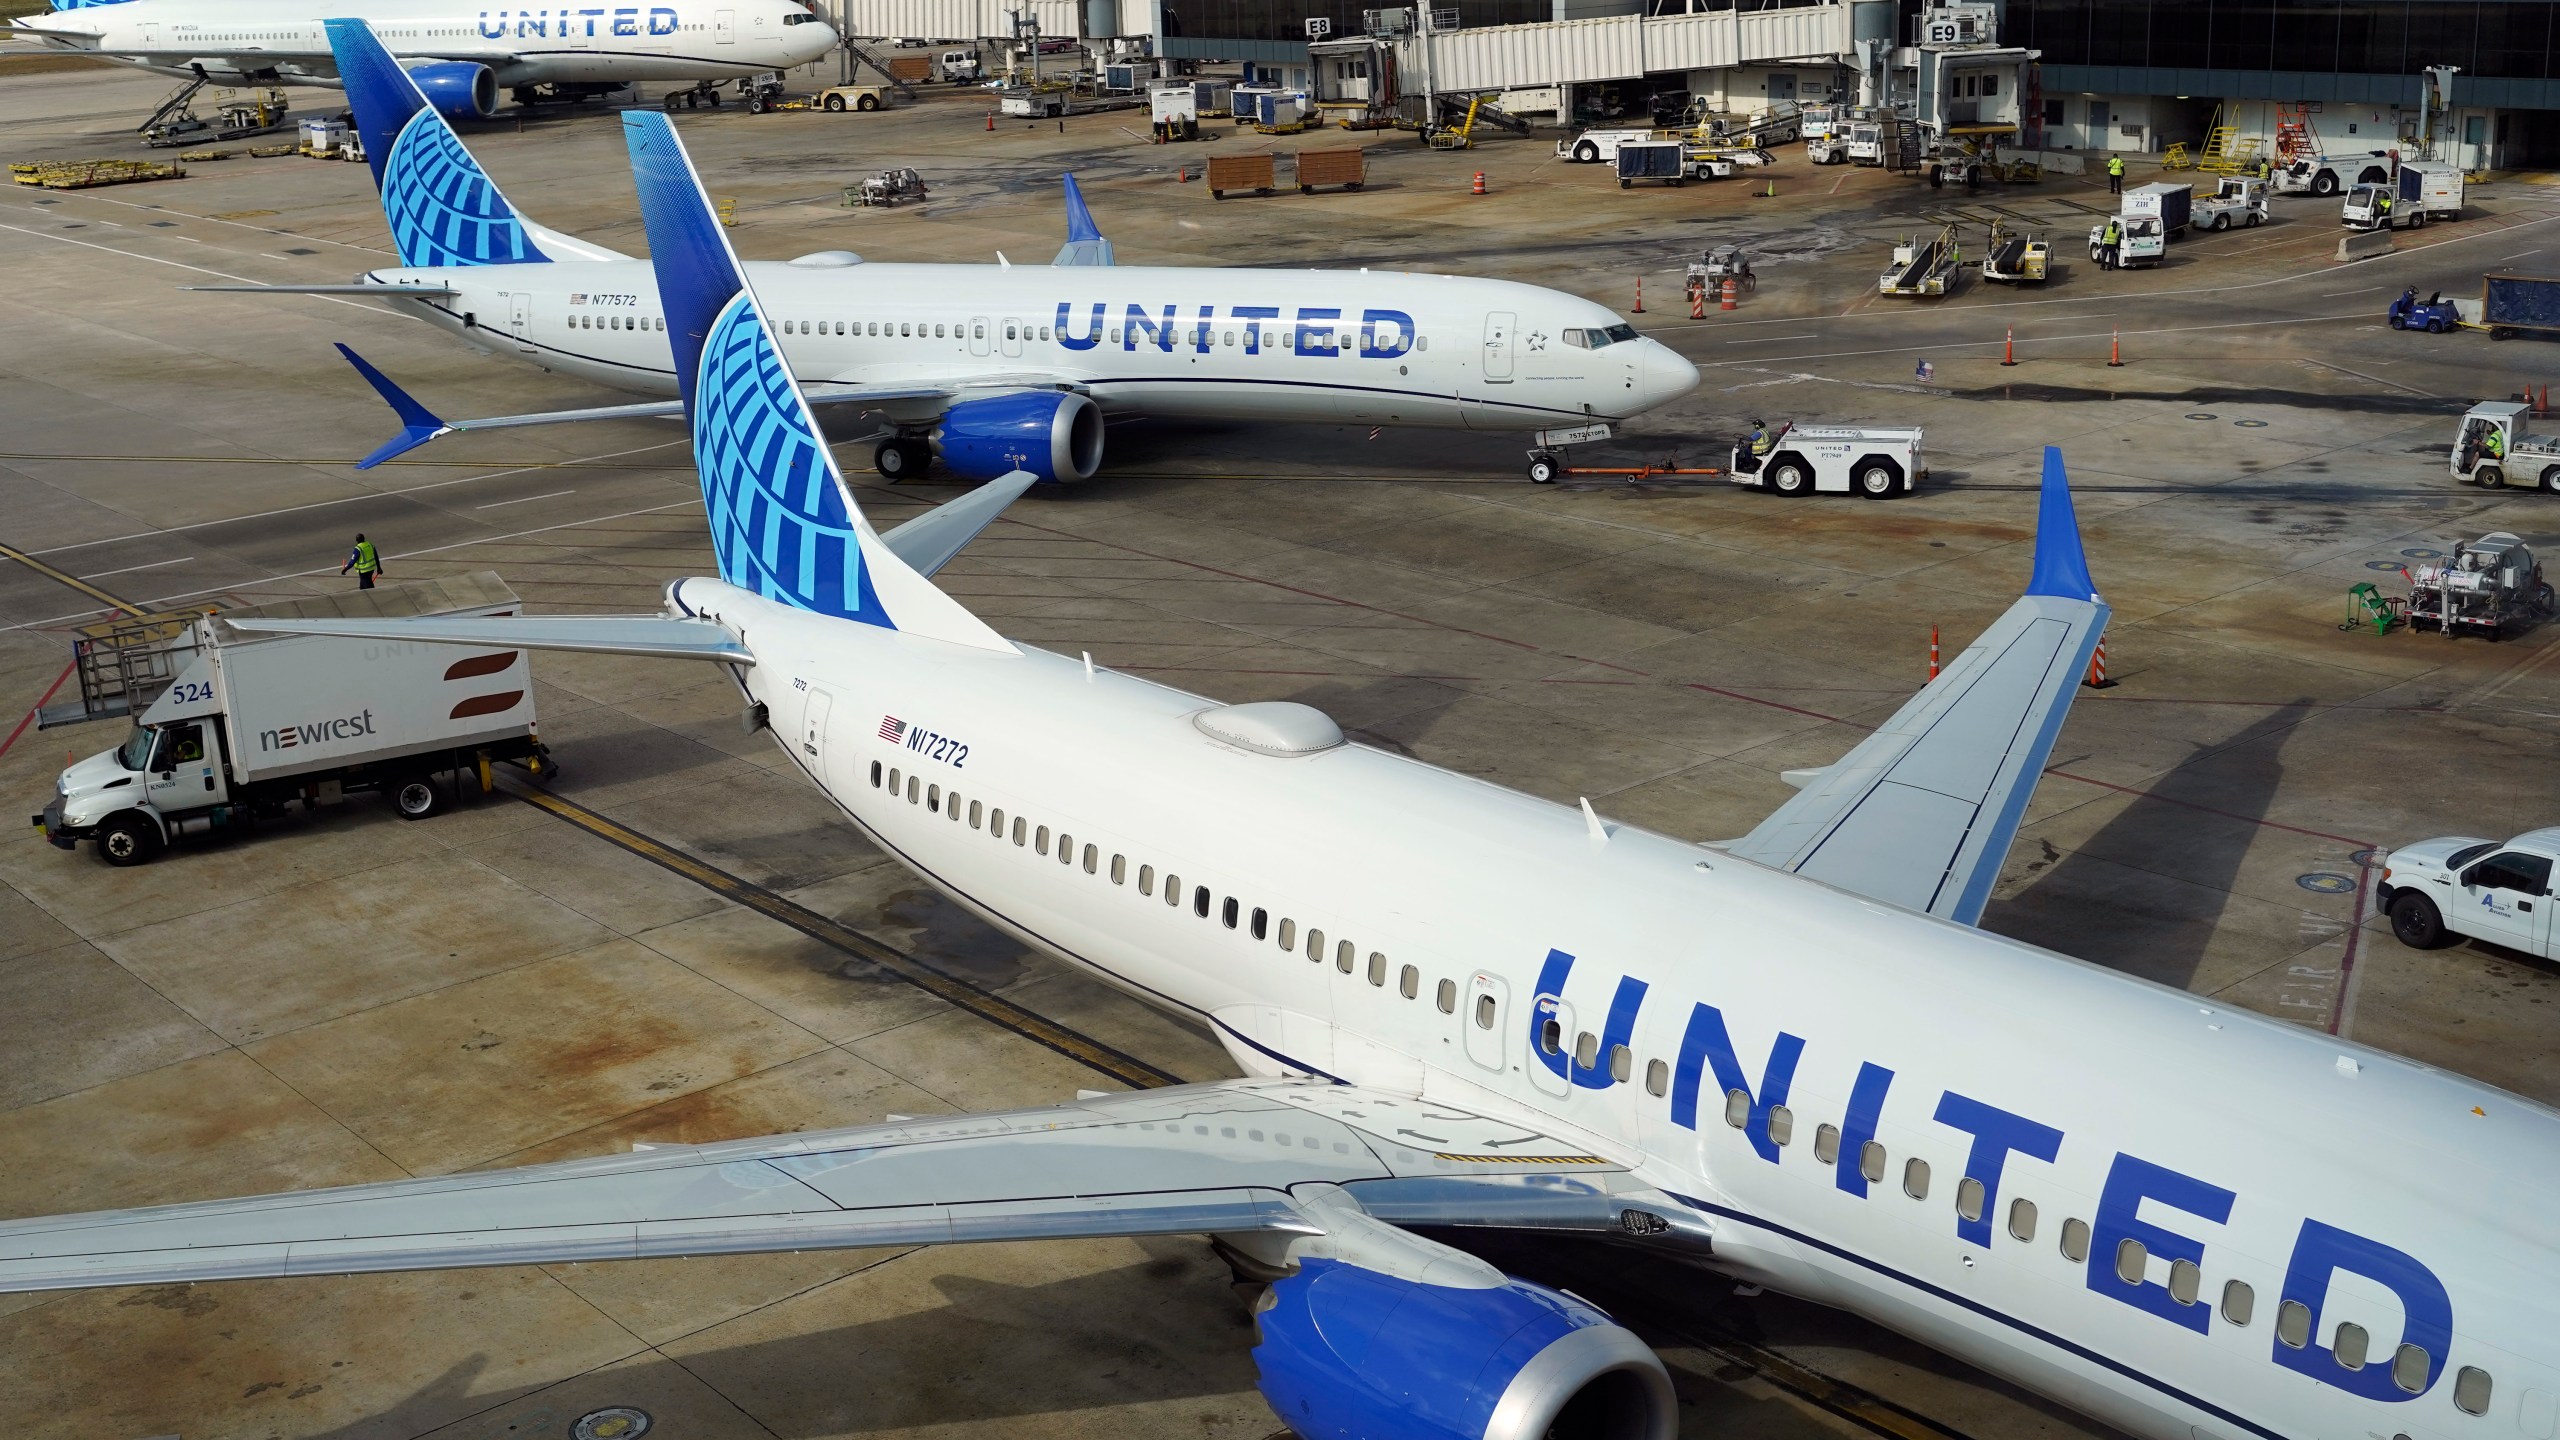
2062,568
418,425
1085,245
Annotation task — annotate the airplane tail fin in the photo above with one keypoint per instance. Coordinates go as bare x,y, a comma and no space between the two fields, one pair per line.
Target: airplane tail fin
443,208
1085,243
84,4
783,522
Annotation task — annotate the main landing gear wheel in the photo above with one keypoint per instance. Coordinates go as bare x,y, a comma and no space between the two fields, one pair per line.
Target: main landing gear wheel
1545,469
902,459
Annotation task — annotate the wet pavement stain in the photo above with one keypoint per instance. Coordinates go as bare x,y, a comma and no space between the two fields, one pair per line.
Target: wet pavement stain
2215,395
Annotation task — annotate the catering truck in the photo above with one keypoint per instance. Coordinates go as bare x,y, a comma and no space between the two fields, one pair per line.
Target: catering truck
230,727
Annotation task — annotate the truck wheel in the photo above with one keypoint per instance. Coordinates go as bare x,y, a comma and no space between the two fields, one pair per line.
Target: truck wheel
835,105
417,797
2222,221
128,840
1878,480
2415,921
1586,153
869,102
2399,321
1789,477
2436,326
2489,477
2324,183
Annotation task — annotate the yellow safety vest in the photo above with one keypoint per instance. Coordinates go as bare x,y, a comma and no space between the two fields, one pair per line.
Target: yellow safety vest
368,560
2115,167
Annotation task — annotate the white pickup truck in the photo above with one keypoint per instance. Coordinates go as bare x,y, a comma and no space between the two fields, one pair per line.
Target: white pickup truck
2437,891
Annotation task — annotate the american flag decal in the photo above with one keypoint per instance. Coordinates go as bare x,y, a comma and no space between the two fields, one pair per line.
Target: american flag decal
577,297
893,729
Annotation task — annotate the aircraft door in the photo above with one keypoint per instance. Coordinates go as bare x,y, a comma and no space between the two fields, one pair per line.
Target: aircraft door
1498,328
978,334
520,320
1013,336
1485,1020
813,731
724,27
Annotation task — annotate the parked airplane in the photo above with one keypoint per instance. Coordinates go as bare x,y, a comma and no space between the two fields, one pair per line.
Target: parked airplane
458,58
1789,1058
987,368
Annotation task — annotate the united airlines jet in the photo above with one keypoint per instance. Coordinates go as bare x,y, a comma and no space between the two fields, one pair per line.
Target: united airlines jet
458,58
1791,1058
990,368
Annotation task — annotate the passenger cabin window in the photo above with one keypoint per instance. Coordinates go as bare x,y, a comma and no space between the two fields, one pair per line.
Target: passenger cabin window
1066,848
1092,859
2130,1258
1200,901
2293,1324
1021,831
2185,1280
977,812
2075,1241
1484,1012
1826,1139
2239,1302
1409,982
1261,922
1146,879
1550,1035
1119,868
1315,944
875,774
1969,1198
1737,1108
2022,1220
912,783
1288,934
1229,912
1915,1178
1622,1063
1344,953
1378,976
933,798
2471,1390
1871,1159
1172,890
1040,841
1782,1124
1448,997
2409,1368
1586,1050
895,783
2350,1344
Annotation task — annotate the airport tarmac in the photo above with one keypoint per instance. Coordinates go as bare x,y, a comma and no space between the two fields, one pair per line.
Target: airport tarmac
681,943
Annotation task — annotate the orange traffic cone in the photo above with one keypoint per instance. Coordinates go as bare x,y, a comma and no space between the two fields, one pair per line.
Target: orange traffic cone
1732,290
991,119
1933,652
2097,678
2009,347
1479,183
2115,348
1698,300
1639,297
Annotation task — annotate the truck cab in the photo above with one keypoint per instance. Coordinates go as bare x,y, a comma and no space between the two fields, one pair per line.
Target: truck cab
2493,448
961,67
2326,175
2437,891
2238,200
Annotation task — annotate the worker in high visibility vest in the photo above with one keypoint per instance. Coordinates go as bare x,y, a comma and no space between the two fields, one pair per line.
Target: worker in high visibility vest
2110,244
2115,174
365,561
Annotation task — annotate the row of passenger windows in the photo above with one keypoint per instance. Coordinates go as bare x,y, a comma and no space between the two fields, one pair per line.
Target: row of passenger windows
1229,911
616,322
1346,343
2351,1344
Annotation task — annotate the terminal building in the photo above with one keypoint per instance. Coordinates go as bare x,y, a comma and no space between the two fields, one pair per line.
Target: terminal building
2131,76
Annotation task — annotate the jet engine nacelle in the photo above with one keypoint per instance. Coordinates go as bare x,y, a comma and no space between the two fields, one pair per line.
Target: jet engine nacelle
1347,1353
1054,434
459,89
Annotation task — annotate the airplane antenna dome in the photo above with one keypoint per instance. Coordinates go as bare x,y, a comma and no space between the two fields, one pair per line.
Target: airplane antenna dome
1270,727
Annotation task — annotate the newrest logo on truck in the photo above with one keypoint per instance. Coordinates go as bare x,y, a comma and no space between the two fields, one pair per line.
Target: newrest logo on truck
316,731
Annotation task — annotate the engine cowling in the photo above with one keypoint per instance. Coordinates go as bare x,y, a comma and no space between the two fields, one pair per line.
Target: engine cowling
1054,434
1348,1353
459,89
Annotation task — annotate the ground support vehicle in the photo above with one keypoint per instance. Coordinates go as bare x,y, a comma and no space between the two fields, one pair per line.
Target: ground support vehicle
1663,160
2491,585
2015,259
2326,175
1174,113
2516,304
2437,891
889,187
1923,267
2236,200
2435,314
231,727
1875,462
840,98
1592,147
961,67
2493,448
2140,242
2420,191
2172,202
1714,266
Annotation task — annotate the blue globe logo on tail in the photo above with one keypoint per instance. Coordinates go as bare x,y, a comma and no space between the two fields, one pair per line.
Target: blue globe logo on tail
442,208
779,522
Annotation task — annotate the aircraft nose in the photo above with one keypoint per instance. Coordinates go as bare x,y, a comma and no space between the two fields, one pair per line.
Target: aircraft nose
1668,374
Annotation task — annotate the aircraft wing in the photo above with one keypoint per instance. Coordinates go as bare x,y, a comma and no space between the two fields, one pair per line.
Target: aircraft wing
1230,1157
419,425
663,637
1921,813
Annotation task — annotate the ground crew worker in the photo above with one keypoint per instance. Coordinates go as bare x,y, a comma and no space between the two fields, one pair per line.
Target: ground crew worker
2115,174
2110,240
365,561
2382,209
1762,442
2493,444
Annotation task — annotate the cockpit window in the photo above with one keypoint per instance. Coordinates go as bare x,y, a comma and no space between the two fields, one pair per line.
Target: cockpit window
1617,333
799,18
1577,339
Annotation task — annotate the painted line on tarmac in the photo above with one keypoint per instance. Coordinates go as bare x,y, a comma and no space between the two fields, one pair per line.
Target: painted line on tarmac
2041,340
1856,1404
180,265
30,717
66,578
2376,379
985,1004
218,220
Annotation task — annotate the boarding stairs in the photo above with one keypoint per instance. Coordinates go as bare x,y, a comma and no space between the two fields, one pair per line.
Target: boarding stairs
861,57
2294,133
123,664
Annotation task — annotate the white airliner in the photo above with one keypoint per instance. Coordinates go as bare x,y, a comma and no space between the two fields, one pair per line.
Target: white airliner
460,57
1791,1057
990,368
